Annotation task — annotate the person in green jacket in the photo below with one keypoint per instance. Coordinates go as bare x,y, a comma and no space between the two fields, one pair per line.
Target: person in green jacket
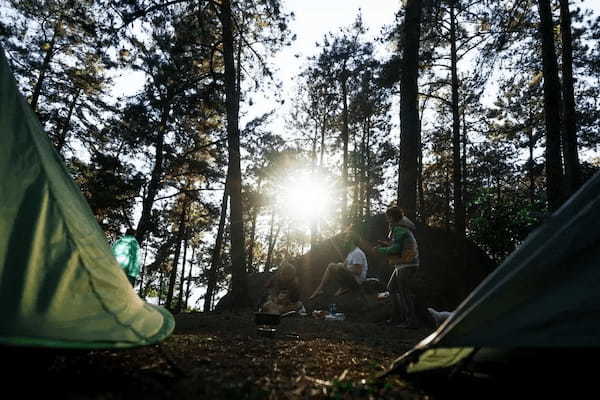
127,252
402,252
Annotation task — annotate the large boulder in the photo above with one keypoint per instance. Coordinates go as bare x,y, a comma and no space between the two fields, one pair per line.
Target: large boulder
446,274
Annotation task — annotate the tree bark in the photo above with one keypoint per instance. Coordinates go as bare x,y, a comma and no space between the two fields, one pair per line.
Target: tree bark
253,229
409,114
62,139
37,90
155,180
216,255
173,273
272,241
345,137
552,108
313,172
368,185
182,276
239,281
323,130
189,280
459,209
569,131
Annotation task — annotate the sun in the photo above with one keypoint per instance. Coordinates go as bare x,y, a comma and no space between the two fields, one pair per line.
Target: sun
306,197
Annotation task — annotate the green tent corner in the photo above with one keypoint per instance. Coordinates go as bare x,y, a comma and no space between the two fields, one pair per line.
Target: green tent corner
60,285
542,302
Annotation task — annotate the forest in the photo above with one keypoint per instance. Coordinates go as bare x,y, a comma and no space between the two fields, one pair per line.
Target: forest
477,117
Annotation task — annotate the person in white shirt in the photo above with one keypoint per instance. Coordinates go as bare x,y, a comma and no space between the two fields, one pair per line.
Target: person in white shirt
350,274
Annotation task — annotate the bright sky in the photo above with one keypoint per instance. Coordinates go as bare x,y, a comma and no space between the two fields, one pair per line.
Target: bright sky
315,18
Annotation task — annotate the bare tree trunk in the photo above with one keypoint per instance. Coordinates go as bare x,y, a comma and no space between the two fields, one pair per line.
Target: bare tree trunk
569,131
62,139
272,241
323,130
552,108
142,292
345,138
161,279
420,189
463,164
239,280
313,221
37,90
173,274
361,175
368,188
182,276
189,280
409,114
216,255
253,229
155,179
459,209
356,182
530,172
447,217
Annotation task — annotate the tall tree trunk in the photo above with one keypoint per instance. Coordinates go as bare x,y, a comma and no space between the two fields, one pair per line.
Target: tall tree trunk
253,230
459,209
272,241
239,279
62,138
447,214
368,188
355,206
215,260
361,175
323,130
173,274
420,189
182,276
161,285
409,114
154,185
37,90
552,108
531,161
143,290
345,138
313,172
569,132
189,280
463,162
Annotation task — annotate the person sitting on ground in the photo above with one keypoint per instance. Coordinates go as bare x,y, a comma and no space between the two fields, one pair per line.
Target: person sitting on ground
349,274
284,291
127,252
403,254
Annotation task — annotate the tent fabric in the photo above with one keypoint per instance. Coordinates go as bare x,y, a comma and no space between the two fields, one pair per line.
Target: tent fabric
60,285
544,295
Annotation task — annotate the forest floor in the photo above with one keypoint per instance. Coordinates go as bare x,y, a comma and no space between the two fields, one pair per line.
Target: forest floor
222,356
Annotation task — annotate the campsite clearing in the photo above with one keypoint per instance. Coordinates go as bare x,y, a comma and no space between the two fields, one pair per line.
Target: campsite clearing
221,356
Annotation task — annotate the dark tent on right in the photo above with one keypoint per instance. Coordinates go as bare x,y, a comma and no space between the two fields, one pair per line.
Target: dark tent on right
538,313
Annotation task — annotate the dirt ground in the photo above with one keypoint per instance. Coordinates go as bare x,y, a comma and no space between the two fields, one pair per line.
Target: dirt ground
222,356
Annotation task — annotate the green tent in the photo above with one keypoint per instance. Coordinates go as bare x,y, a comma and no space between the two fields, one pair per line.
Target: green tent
544,299
60,285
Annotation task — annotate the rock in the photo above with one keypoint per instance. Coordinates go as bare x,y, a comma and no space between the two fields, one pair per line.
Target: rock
444,279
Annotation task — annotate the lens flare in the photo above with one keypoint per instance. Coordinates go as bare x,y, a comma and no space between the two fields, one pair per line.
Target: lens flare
306,197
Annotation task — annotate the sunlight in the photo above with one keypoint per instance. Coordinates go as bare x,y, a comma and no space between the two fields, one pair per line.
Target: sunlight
306,198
